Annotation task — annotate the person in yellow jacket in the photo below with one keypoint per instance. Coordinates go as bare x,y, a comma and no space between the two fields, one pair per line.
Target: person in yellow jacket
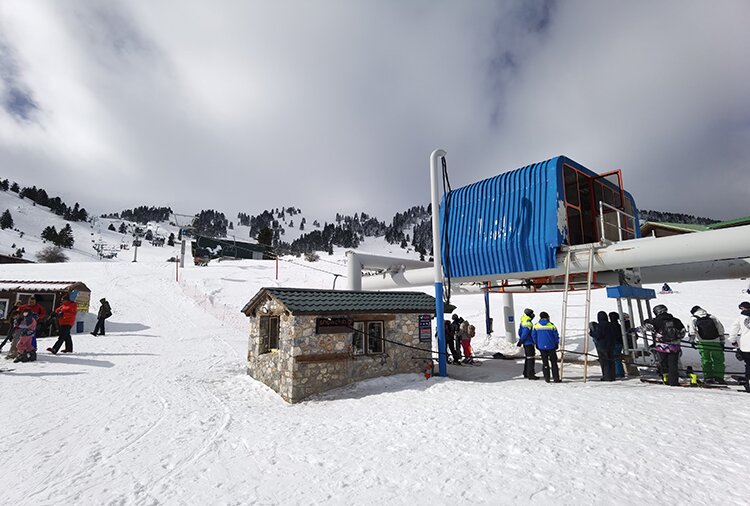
524,339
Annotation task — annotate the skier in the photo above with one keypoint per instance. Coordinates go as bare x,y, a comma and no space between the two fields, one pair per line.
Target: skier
450,340
616,334
545,337
466,336
668,331
31,306
25,347
525,340
709,332
66,314
105,311
599,331
456,325
11,317
739,337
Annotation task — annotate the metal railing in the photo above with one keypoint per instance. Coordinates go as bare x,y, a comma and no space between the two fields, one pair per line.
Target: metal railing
619,225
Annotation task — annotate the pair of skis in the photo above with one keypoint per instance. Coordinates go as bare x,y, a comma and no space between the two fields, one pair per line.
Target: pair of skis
685,384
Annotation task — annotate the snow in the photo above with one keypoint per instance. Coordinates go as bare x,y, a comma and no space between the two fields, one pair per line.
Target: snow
161,411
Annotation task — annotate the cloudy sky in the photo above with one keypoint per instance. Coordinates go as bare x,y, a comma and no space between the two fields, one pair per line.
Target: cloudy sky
336,105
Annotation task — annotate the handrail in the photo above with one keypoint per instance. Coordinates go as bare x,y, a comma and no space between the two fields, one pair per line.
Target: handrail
620,228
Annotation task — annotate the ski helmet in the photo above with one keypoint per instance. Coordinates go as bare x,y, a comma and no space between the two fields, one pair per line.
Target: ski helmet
695,309
659,309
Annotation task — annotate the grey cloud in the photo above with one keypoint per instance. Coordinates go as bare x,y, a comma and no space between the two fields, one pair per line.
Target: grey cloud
250,105
17,99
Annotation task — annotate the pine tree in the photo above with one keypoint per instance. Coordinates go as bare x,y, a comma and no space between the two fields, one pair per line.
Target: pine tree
112,227
6,220
65,237
50,234
123,228
14,187
265,237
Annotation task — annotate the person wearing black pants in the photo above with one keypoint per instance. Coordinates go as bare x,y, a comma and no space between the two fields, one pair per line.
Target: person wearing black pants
549,361
525,340
546,338
105,311
66,314
668,331
669,366
450,340
604,342
63,338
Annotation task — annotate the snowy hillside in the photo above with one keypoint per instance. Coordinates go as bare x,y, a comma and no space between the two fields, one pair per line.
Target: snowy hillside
160,411
31,219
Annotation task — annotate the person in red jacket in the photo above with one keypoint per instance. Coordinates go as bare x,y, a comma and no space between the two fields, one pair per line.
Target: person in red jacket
66,314
32,306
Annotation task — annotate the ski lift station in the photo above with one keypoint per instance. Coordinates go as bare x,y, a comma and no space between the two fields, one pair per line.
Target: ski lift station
555,226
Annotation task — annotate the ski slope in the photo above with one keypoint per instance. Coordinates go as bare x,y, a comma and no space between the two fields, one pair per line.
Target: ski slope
160,411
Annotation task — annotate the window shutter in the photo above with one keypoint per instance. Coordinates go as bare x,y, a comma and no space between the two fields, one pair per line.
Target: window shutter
273,333
263,333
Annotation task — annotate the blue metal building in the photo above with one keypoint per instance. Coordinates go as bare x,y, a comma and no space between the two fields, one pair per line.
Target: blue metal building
516,221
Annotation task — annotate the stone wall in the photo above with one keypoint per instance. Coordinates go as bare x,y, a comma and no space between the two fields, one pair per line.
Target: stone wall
308,363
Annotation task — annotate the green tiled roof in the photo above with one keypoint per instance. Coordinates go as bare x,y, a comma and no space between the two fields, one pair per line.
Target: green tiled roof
688,227
731,223
312,301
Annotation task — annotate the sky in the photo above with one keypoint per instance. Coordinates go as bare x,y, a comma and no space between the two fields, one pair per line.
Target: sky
246,106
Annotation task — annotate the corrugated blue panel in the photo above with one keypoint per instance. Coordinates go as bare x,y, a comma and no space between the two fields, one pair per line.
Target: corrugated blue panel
504,224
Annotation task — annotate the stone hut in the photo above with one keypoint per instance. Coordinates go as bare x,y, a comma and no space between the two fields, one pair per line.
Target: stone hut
306,341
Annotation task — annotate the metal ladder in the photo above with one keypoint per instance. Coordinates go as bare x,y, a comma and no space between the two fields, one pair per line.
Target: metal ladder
570,325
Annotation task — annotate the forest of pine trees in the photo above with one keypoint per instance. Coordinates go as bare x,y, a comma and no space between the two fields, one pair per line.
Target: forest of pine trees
143,214
40,197
210,223
660,216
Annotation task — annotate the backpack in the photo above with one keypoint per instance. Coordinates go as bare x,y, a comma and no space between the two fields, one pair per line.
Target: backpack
671,331
472,331
706,328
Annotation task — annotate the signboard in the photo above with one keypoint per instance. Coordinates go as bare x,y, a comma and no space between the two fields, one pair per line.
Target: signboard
334,326
425,328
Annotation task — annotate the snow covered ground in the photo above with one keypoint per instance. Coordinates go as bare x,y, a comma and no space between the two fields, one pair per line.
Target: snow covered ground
160,411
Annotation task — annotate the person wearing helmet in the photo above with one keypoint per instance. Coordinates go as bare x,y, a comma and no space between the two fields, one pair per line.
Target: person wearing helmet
707,334
668,332
739,337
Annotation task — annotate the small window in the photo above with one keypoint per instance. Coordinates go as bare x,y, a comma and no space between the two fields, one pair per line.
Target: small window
375,337
571,186
358,339
575,227
268,331
367,339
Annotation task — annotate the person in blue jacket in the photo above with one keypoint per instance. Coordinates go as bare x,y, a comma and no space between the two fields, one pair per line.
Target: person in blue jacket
524,339
545,337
